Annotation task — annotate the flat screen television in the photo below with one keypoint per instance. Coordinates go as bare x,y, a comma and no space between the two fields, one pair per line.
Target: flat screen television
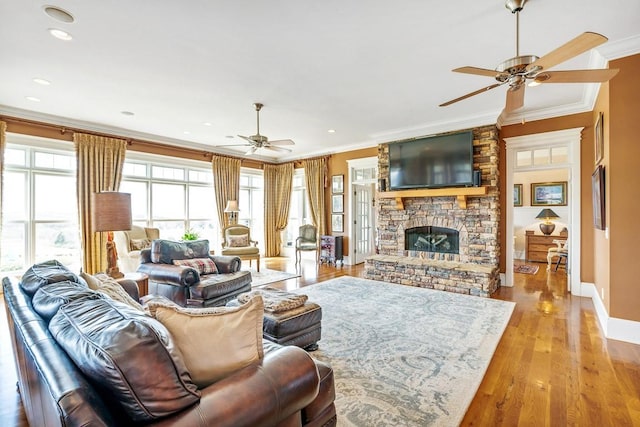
438,161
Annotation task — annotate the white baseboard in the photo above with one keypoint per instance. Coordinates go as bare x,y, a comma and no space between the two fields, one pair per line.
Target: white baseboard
614,328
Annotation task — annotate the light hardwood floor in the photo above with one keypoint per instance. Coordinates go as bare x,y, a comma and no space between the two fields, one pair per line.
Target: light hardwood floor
553,366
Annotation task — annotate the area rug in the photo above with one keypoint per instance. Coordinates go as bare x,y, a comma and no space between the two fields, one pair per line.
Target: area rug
266,276
525,268
405,356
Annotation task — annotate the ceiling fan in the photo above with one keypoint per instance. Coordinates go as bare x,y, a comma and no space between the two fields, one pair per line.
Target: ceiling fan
258,141
516,71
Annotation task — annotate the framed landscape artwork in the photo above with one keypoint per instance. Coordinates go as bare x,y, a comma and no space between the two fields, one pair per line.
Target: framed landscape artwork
337,184
549,194
337,203
337,223
597,188
517,194
599,137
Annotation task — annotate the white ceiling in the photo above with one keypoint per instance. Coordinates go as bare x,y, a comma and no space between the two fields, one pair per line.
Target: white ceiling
374,71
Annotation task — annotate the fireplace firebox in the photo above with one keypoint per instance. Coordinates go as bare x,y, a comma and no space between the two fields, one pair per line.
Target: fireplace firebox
432,239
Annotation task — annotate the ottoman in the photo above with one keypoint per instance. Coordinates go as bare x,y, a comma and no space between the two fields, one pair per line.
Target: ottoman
289,319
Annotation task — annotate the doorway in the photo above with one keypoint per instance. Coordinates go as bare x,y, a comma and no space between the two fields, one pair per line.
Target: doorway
363,175
544,152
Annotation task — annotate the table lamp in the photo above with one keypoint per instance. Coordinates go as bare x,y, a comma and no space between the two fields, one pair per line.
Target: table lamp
232,209
547,226
111,211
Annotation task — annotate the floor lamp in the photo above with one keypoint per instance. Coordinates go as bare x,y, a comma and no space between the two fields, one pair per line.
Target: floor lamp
111,211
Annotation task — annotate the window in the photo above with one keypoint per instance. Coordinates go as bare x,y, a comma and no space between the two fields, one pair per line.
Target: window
40,220
299,213
172,195
251,203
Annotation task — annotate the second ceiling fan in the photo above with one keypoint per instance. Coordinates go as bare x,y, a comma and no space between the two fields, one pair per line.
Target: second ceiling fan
517,71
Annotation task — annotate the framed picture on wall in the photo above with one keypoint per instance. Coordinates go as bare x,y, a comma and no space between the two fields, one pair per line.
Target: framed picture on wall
337,223
597,191
599,137
549,194
337,184
337,203
517,194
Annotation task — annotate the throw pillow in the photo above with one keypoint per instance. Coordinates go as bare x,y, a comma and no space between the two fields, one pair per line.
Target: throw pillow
238,241
203,265
45,272
111,288
139,244
92,282
218,341
130,357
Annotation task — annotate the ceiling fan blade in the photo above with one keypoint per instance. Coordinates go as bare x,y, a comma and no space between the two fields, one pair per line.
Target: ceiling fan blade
515,98
575,47
469,95
233,145
477,71
576,76
282,142
246,138
277,148
251,151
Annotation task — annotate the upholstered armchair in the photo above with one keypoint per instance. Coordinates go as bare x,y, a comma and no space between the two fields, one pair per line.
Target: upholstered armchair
237,242
307,241
130,243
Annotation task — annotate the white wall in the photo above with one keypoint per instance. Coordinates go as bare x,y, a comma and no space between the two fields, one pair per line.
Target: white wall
524,217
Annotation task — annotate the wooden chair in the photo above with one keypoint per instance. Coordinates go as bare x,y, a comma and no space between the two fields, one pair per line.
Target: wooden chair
307,241
237,242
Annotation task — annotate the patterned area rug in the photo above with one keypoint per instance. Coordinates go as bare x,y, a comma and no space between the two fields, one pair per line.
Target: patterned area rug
525,268
266,276
405,356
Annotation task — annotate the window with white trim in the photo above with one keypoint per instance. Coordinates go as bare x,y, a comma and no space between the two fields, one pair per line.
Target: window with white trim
299,213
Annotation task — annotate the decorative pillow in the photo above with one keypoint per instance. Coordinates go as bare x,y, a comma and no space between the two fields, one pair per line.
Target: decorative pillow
45,272
203,265
275,300
218,341
165,251
238,241
111,288
139,244
128,355
92,282
50,297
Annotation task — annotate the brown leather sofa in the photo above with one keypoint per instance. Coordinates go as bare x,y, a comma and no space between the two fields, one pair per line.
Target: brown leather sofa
286,388
186,285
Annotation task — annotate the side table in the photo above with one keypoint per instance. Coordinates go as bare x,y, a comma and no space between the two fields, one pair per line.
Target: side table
141,279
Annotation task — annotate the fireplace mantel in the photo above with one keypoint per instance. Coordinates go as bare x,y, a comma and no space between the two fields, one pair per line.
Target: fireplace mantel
460,193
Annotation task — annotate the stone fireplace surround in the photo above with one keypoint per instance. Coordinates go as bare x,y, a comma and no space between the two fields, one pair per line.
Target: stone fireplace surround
474,270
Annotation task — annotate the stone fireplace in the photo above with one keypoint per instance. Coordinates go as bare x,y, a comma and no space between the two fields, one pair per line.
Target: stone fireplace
434,240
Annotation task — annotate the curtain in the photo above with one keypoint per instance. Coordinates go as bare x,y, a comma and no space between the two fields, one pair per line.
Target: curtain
315,176
3,142
277,199
99,168
226,183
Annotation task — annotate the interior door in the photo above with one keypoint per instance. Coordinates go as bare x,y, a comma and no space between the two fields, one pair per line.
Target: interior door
363,222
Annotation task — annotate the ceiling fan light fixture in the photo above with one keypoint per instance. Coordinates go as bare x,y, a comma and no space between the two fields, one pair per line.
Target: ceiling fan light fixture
515,5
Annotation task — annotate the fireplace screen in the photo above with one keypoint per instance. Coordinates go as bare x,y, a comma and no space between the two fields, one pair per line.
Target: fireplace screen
432,239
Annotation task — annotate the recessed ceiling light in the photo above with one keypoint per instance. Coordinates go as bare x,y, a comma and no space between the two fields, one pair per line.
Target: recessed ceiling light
229,136
43,82
186,132
331,131
32,98
60,34
59,14
207,124
127,113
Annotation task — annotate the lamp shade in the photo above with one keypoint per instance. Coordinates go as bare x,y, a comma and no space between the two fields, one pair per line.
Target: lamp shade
232,206
111,211
547,214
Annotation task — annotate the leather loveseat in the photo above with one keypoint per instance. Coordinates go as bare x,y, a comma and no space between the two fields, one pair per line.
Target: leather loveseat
57,368
187,274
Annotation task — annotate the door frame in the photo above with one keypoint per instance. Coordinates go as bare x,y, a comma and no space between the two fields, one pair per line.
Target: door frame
572,139
364,162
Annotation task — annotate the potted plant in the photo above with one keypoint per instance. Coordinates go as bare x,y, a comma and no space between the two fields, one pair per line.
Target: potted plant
189,234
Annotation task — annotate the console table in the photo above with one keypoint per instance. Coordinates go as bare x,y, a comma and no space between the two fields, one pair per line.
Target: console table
537,246
331,250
